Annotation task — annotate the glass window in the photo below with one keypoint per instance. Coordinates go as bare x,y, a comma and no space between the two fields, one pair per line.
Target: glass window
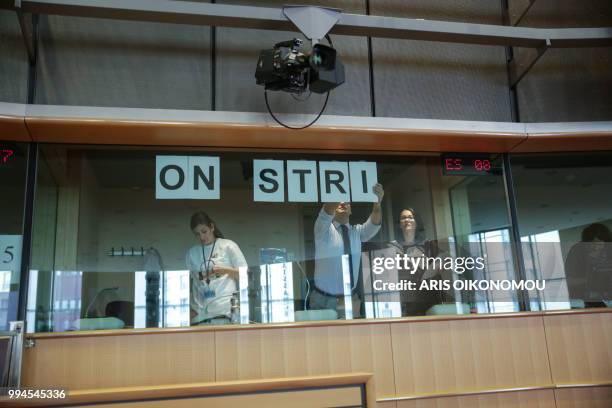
565,218
13,163
150,237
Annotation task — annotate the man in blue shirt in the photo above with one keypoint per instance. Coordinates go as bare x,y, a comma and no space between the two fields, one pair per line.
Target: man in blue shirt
338,256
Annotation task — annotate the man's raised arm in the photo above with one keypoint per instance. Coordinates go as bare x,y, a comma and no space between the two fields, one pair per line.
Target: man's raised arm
376,215
324,219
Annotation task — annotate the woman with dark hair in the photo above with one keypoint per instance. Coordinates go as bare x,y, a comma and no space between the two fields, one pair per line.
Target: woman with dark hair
412,231
214,265
411,242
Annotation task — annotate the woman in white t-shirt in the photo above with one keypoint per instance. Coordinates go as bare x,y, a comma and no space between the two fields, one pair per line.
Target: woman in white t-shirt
214,265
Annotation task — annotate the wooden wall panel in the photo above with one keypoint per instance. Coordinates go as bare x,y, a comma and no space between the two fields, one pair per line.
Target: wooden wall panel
290,352
565,142
523,399
580,347
598,397
407,358
12,122
454,356
120,361
14,129
171,132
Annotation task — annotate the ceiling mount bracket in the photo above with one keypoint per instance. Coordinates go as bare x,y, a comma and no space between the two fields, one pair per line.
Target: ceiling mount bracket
313,21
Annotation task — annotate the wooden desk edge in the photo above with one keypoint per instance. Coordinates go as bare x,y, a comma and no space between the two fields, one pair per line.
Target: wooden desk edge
319,323
194,390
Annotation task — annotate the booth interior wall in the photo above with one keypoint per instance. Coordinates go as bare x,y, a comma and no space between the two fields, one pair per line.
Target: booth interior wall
13,60
430,80
97,62
237,51
563,13
567,84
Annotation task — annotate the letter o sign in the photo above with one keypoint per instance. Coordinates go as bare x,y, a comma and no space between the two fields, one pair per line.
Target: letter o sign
164,177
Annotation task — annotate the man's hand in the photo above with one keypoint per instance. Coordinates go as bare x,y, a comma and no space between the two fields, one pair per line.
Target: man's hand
226,270
330,208
378,190
376,216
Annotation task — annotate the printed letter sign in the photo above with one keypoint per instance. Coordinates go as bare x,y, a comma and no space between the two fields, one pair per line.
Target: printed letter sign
268,180
363,178
302,181
334,182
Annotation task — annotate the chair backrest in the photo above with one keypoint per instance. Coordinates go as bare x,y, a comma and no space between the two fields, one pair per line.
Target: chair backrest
121,309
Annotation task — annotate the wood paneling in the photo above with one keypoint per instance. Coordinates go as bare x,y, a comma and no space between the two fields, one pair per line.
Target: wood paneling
334,397
200,128
598,397
524,399
13,128
561,142
580,347
306,324
354,381
418,359
12,122
66,130
455,356
103,362
307,351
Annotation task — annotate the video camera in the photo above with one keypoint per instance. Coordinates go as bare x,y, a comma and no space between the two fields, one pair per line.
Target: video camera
285,68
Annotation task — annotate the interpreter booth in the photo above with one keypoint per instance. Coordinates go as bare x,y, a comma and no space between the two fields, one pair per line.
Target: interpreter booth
479,275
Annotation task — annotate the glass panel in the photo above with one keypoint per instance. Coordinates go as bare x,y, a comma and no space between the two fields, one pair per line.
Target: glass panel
13,164
563,204
135,247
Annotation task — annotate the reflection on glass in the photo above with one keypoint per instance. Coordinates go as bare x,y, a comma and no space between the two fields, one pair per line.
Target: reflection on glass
383,309
347,288
276,286
565,222
66,299
482,229
12,188
5,279
494,247
96,211
544,260
173,299
31,317
243,285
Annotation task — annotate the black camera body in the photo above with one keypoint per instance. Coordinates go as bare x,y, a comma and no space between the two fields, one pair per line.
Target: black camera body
285,68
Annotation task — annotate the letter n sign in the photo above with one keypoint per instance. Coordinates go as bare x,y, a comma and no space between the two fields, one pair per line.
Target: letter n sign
187,177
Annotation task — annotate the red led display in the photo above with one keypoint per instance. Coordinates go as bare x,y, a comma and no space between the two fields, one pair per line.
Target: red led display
469,165
5,155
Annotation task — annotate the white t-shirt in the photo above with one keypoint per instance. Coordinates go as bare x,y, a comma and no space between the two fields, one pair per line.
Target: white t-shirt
214,298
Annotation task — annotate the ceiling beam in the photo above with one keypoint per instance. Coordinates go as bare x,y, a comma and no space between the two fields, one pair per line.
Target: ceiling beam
224,15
